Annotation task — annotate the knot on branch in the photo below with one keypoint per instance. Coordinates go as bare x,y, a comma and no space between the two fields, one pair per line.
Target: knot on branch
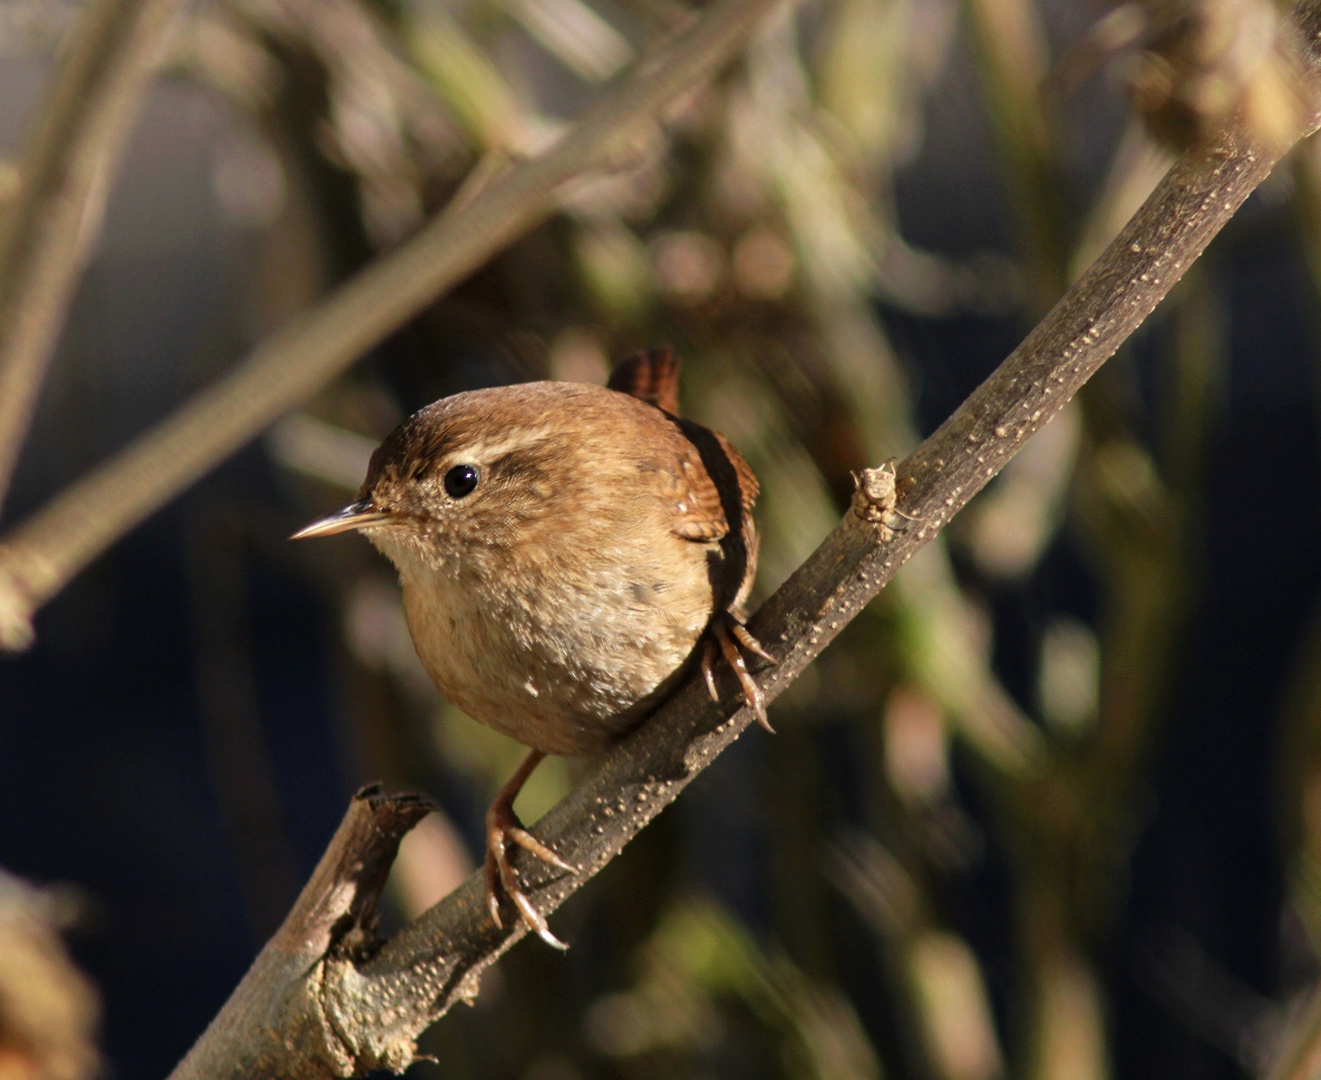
875,499
339,1022
351,1026
358,1022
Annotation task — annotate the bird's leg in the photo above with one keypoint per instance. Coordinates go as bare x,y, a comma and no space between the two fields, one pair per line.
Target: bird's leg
502,826
730,633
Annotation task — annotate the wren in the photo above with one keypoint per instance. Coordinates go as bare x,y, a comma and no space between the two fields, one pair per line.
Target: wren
565,552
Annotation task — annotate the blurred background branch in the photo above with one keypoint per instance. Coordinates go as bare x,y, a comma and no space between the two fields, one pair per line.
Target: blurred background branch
53,220
38,558
48,1008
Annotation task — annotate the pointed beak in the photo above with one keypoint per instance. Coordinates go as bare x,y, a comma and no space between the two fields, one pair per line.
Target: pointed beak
353,516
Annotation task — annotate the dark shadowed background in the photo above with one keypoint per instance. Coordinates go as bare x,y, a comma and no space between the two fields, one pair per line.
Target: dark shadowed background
841,221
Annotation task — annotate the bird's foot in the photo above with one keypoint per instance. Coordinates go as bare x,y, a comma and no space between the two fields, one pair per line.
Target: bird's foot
730,637
502,829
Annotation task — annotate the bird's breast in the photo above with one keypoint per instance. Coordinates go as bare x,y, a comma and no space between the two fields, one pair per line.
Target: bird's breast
562,653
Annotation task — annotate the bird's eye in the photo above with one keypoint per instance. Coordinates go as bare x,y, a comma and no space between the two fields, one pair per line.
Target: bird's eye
460,481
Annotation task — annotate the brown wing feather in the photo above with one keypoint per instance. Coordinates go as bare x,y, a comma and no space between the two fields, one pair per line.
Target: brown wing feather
700,512
724,491
748,490
710,487
703,515
651,376
748,486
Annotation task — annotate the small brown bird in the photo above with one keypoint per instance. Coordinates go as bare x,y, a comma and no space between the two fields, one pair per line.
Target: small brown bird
563,550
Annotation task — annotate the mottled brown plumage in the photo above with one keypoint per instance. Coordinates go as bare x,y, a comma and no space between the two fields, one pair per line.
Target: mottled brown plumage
563,549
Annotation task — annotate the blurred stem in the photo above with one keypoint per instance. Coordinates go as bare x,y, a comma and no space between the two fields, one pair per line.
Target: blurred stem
939,649
230,719
894,904
865,377
48,228
1307,206
1072,824
39,558
1299,1056
1136,168
1138,522
49,1009
470,82
1011,47
1195,383
1300,769
1067,1039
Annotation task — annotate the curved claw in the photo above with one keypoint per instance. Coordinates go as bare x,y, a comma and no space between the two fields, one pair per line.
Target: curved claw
503,826
748,641
528,842
535,920
726,629
491,872
709,652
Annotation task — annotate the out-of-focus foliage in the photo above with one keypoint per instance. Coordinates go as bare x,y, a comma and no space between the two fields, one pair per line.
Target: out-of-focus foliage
48,1010
759,235
922,874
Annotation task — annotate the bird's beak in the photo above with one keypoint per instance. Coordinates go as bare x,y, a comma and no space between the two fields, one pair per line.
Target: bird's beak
353,516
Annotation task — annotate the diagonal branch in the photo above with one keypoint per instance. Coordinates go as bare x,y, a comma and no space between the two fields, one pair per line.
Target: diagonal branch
73,151
345,1015
40,557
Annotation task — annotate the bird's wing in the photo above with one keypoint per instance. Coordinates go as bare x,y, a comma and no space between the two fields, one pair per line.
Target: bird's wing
718,486
703,511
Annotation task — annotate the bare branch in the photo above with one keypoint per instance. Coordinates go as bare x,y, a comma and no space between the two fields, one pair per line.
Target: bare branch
72,154
39,558
372,1009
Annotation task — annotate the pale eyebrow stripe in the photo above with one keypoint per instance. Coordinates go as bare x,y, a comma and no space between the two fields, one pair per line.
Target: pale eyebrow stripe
486,450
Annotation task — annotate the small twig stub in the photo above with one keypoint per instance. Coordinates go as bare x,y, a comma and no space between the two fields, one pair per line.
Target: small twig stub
876,500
